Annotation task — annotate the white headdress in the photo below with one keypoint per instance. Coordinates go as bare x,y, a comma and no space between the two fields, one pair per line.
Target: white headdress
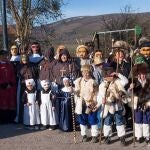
30,82
45,83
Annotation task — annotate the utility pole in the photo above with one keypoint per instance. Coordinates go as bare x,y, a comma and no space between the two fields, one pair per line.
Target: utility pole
4,25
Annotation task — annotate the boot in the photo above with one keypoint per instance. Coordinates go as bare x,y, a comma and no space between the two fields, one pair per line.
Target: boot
43,127
36,127
94,139
147,140
107,140
139,140
84,138
123,141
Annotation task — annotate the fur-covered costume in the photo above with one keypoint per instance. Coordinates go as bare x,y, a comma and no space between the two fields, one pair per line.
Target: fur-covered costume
113,107
141,98
142,108
121,61
85,100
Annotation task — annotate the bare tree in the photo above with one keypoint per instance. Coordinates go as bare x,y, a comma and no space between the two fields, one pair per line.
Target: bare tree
26,13
123,20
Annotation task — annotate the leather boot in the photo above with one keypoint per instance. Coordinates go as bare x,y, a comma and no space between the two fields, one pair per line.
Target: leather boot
123,141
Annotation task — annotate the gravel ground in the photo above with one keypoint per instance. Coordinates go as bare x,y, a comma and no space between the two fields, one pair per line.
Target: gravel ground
15,137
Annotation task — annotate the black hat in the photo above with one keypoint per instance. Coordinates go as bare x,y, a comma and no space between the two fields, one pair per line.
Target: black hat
107,71
3,52
145,44
49,53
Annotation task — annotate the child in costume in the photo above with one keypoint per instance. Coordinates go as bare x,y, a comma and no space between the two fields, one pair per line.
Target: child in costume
47,107
141,91
109,99
31,106
85,101
65,120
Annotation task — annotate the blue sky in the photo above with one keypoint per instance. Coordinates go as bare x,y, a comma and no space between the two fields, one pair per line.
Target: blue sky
99,7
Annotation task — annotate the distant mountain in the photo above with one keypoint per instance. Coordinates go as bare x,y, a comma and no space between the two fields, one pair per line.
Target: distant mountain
81,28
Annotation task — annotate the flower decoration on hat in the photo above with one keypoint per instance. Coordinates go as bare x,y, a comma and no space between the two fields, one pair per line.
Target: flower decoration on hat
140,65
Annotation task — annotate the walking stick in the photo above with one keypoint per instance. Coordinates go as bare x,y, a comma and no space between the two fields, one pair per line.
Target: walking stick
102,121
132,100
72,107
117,68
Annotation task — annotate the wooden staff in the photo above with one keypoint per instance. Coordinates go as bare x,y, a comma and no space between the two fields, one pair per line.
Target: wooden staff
117,64
72,106
103,108
132,100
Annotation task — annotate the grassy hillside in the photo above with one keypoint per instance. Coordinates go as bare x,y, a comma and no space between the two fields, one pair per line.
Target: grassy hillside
82,28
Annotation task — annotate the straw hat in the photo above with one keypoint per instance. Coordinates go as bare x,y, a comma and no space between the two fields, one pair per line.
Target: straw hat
82,48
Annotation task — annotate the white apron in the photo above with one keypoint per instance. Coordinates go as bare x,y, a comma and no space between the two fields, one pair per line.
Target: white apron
31,113
48,115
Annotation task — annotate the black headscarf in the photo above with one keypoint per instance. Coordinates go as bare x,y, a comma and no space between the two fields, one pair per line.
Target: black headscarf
49,54
64,52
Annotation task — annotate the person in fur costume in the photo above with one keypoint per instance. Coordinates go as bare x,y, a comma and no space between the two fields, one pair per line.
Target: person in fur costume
110,101
141,97
85,101
121,61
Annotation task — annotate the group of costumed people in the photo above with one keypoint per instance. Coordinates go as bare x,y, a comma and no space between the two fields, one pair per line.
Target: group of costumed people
40,90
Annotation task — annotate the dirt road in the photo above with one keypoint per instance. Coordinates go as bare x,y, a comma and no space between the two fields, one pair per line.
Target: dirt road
15,137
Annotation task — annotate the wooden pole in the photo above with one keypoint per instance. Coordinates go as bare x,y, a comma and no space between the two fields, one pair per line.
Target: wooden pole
103,108
132,100
72,107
